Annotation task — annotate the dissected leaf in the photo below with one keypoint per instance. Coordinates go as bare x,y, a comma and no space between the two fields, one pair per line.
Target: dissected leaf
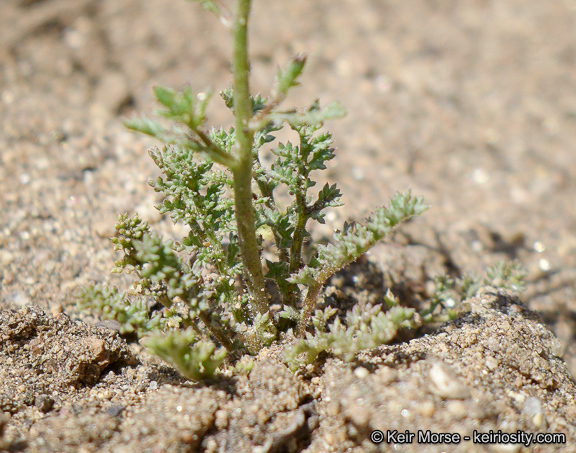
287,78
196,359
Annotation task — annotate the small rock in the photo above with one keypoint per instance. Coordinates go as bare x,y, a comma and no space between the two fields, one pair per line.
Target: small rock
533,410
445,383
361,372
505,448
115,410
44,403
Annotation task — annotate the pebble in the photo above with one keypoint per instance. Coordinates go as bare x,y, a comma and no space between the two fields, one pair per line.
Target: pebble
492,363
6,257
445,383
427,409
532,408
115,410
361,372
505,448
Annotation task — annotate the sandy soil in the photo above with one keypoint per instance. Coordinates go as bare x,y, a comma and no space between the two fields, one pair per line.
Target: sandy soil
471,104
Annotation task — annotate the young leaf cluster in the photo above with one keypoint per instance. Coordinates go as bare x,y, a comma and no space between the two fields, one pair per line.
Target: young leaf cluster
450,292
365,327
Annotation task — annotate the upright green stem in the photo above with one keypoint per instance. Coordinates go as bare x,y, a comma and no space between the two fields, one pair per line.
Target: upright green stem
309,304
218,333
299,230
242,171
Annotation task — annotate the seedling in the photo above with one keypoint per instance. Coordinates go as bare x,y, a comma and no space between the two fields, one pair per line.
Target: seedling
214,286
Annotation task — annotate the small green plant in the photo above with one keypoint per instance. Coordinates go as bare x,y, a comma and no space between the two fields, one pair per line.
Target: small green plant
368,327
450,292
214,285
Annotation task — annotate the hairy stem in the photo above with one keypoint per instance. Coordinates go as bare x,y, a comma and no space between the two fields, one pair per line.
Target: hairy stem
217,332
242,171
216,153
309,304
299,230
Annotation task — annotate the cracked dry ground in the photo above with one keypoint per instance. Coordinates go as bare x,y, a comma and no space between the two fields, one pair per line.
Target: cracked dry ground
471,104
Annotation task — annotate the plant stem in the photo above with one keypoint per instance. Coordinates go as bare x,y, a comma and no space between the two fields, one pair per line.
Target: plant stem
242,171
216,153
299,230
309,304
288,290
217,332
